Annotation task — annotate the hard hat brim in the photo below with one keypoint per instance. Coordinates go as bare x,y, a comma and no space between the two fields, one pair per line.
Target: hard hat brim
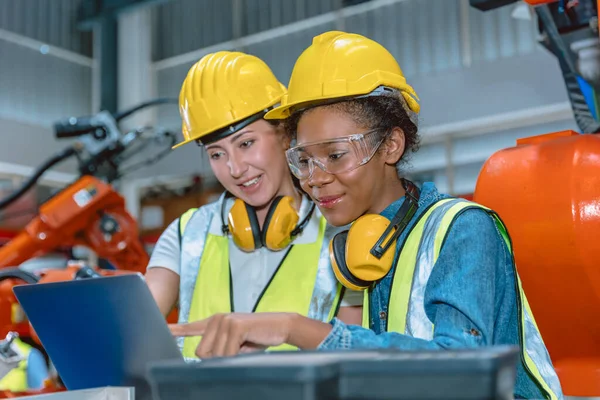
278,113
178,145
283,112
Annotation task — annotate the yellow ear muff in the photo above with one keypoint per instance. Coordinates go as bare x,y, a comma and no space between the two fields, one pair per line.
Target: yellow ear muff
243,226
363,235
281,220
349,251
337,249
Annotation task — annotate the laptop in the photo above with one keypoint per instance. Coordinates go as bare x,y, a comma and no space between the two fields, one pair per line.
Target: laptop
100,331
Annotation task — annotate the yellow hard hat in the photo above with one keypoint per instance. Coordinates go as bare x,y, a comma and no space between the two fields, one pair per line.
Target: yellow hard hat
338,65
223,92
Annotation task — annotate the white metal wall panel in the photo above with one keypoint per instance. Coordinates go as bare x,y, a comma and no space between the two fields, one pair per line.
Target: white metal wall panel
423,35
187,25
496,34
40,89
280,53
429,158
469,153
169,82
465,177
49,21
261,15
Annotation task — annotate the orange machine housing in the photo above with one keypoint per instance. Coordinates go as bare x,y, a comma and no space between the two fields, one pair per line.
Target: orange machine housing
72,217
538,2
547,191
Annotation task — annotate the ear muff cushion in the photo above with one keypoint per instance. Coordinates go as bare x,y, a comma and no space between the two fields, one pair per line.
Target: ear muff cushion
337,250
243,226
363,234
281,220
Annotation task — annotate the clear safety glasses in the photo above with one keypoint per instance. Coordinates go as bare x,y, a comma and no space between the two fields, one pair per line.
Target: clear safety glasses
334,156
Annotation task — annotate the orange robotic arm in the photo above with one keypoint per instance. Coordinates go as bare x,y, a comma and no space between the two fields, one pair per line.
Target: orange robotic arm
89,212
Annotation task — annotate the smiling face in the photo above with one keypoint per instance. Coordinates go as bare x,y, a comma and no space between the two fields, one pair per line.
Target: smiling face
370,188
251,164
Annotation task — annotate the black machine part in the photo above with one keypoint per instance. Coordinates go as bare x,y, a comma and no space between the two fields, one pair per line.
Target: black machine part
105,147
486,5
484,373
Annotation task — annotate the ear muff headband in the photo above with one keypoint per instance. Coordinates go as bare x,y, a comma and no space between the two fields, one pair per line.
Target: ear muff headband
298,230
224,225
254,227
400,220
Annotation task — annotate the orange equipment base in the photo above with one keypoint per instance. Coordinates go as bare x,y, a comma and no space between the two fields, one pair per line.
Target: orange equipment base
547,191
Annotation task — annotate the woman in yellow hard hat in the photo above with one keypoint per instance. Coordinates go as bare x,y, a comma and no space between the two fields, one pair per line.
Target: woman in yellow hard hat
437,271
263,245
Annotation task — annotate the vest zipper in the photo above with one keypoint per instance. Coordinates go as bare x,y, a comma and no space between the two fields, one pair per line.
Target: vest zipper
231,303
339,301
270,280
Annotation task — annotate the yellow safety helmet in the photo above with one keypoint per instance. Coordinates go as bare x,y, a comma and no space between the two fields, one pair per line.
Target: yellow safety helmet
223,92
339,65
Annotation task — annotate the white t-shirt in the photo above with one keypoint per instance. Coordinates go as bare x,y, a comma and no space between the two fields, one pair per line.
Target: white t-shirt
250,272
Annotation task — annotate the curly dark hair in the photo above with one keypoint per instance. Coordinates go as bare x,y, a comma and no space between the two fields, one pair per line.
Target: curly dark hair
378,112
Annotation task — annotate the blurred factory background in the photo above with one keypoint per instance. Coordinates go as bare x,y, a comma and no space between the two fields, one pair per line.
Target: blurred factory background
482,77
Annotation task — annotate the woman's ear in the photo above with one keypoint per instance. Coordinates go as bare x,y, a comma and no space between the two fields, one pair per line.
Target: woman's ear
286,141
283,137
394,146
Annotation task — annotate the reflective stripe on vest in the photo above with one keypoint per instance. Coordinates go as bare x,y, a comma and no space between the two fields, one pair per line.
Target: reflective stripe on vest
407,306
16,379
305,273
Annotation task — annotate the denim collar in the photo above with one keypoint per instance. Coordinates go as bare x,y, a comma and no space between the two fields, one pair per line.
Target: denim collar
429,195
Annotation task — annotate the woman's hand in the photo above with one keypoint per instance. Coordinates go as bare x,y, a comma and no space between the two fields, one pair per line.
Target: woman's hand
230,334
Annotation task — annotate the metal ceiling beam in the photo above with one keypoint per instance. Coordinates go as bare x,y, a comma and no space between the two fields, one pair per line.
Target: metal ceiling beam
101,16
95,11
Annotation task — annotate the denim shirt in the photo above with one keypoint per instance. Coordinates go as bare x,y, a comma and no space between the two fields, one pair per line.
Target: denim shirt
470,296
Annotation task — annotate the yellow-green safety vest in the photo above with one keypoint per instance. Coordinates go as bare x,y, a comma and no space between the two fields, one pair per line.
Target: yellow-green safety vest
420,251
303,283
16,379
